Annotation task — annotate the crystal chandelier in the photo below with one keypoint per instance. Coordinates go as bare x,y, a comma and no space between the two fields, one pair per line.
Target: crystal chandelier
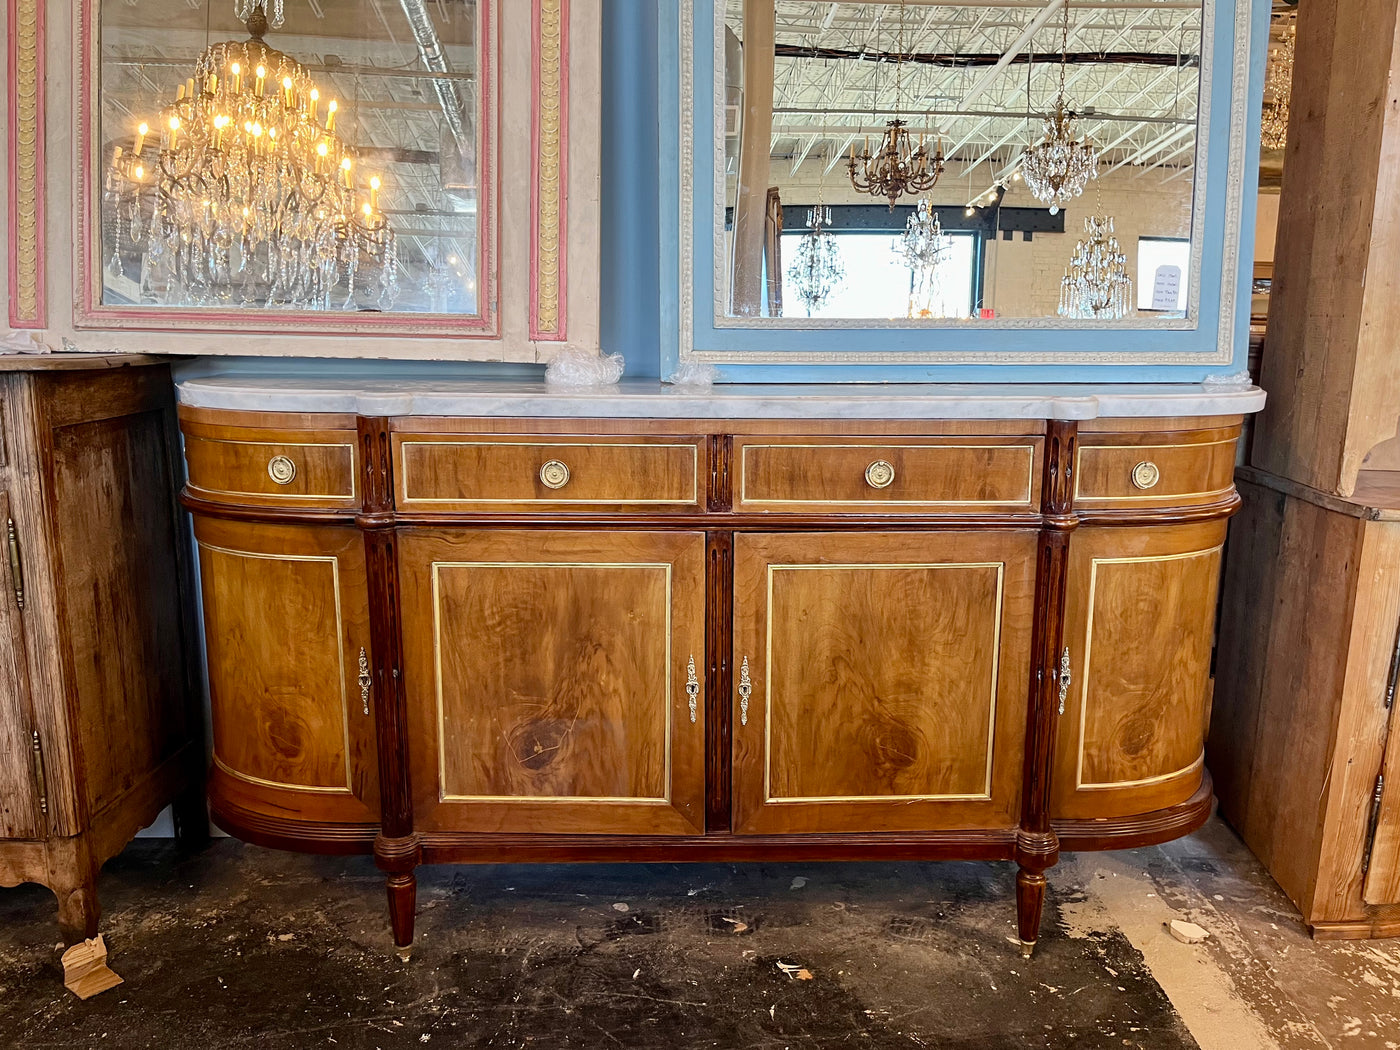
924,248
1060,165
1278,89
896,167
817,270
246,195
1096,284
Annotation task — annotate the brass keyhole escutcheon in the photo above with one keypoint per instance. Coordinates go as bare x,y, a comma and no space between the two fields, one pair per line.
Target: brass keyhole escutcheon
281,470
879,475
554,475
1146,475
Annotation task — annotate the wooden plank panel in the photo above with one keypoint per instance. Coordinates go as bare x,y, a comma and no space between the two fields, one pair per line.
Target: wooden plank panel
285,613
1139,625
547,677
115,535
888,678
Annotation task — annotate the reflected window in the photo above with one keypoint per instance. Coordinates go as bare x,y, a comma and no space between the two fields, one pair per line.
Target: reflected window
1163,275
877,283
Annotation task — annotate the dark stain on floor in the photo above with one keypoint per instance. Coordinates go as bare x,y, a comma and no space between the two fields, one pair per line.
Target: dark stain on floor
239,946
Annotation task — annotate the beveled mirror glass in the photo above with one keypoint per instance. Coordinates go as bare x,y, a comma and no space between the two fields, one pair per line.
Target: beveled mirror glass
958,162
318,156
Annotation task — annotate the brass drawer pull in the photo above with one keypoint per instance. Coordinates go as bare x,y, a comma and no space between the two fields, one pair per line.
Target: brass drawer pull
745,691
1146,475
554,475
880,474
281,470
692,690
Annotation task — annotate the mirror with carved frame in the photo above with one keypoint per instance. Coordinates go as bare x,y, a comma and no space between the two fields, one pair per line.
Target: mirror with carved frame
931,182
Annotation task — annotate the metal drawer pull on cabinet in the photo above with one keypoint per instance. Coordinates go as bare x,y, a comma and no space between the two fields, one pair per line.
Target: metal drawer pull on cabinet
1146,475
554,475
692,690
365,680
880,474
745,691
16,565
281,470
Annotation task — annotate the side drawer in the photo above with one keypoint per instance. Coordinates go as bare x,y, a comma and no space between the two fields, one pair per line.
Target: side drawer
273,468
442,473
1122,471
812,475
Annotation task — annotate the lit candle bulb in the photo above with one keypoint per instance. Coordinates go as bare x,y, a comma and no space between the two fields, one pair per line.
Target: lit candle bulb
141,131
331,107
287,92
138,173
345,171
236,71
321,152
374,192
261,72
315,102
174,131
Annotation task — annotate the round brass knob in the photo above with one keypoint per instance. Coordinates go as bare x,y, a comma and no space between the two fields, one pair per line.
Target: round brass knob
879,475
1146,475
281,470
554,475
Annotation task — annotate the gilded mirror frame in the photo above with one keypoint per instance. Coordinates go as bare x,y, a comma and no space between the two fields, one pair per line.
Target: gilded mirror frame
1212,339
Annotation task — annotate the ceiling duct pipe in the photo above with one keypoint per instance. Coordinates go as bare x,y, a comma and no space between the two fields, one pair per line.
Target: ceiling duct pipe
434,57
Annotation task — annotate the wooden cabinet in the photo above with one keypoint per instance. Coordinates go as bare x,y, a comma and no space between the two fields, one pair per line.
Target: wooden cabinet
636,639
886,680
553,682
99,727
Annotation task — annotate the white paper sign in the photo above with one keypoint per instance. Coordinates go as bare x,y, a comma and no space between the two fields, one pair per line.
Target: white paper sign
1166,288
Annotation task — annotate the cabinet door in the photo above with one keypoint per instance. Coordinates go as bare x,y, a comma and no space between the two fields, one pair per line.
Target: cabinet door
1139,625
1383,872
888,677
286,615
20,815
547,680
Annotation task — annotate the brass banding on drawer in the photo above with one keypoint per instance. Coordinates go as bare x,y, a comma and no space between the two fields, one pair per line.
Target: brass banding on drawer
275,469
1158,473
961,475
442,474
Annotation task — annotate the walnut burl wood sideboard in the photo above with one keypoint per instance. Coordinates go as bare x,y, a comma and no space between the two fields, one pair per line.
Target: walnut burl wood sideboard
449,637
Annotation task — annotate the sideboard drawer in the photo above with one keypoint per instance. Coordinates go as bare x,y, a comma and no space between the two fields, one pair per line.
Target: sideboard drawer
273,468
465,473
1135,470
905,475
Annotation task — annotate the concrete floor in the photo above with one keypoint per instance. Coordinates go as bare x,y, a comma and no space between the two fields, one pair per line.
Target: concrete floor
238,946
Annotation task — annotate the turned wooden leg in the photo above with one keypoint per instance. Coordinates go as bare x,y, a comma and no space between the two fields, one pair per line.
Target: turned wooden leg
78,910
1030,902
403,902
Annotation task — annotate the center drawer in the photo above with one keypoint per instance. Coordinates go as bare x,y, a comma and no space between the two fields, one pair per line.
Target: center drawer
810,475
461,472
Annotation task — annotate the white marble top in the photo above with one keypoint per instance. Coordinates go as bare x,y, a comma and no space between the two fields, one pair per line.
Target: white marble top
648,399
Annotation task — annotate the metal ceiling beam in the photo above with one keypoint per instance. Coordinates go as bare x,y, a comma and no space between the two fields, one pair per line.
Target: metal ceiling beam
1027,34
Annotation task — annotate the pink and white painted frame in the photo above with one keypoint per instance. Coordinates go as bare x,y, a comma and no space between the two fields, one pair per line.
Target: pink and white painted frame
26,175
90,312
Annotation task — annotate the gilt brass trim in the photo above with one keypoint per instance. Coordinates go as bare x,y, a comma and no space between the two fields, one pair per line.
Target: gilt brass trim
441,726
334,563
1079,784
998,610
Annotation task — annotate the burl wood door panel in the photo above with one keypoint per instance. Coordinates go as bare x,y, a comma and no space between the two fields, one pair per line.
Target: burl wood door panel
889,676
286,614
547,680
20,816
1139,624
